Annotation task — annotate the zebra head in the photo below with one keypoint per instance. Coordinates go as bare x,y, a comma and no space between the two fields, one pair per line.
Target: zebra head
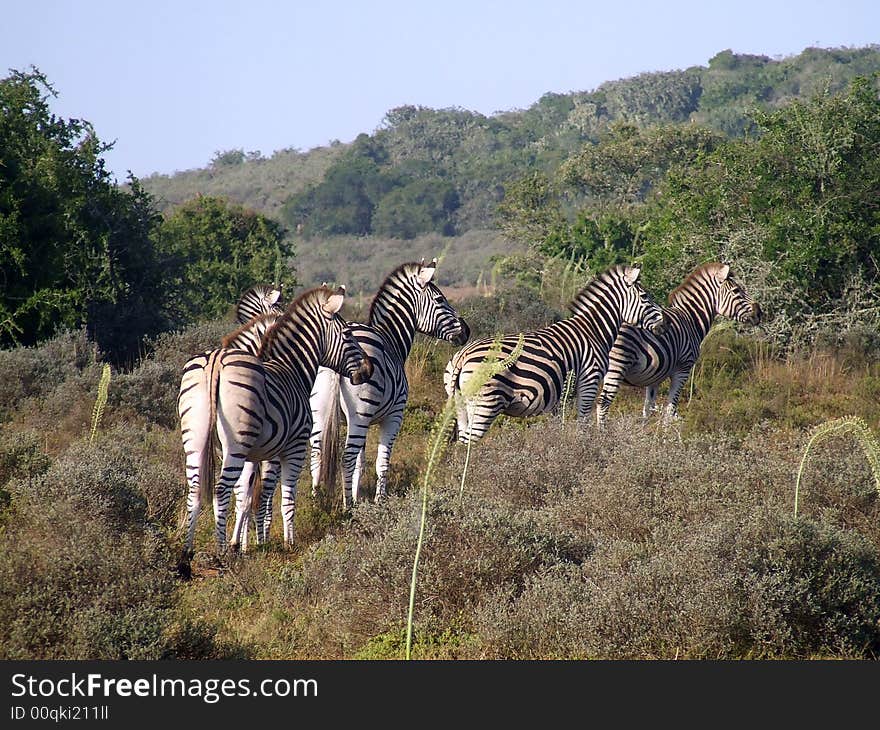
342,352
638,306
257,300
435,316
731,299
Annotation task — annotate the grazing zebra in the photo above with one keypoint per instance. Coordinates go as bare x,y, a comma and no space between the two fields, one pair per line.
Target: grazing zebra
645,359
407,302
259,407
579,346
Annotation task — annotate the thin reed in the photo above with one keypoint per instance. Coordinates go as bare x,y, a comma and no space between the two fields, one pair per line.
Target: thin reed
492,364
848,424
100,401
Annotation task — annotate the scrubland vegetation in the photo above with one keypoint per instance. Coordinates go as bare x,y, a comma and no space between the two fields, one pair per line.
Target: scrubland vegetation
567,542
634,542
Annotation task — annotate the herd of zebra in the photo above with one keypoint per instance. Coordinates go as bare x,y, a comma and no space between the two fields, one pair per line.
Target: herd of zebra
277,383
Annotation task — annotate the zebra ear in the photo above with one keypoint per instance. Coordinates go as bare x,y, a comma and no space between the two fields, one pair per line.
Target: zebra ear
334,301
426,273
274,296
722,273
631,274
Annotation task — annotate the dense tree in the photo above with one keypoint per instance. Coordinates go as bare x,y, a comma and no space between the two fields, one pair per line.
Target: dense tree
74,248
213,250
418,207
795,207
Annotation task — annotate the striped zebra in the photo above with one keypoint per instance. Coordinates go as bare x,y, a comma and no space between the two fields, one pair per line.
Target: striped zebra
256,310
258,300
258,404
577,346
407,302
645,359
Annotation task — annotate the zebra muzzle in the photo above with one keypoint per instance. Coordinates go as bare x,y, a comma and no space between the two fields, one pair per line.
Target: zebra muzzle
464,333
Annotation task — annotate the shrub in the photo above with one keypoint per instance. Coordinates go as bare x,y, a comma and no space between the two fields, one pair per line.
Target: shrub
84,573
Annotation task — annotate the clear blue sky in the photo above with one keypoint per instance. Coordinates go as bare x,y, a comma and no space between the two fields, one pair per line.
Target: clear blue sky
173,82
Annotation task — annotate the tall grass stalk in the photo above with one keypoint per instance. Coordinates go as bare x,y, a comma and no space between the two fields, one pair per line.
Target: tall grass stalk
493,364
848,424
100,402
566,391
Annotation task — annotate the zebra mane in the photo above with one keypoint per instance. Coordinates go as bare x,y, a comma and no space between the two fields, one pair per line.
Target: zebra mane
582,300
252,323
693,278
400,269
297,304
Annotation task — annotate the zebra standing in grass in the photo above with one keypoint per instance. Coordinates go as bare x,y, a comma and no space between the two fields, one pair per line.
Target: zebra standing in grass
257,310
645,359
579,345
259,405
407,302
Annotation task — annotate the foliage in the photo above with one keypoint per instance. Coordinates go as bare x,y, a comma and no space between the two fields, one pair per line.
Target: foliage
792,208
74,248
335,188
213,251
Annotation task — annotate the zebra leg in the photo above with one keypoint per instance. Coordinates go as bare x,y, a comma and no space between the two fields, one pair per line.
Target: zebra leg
357,474
232,469
269,473
244,489
193,501
353,459
389,427
315,460
679,378
291,466
650,399
610,386
587,388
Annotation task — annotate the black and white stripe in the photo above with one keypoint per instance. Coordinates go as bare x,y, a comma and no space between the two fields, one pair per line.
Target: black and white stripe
534,382
258,405
257,310
258,300
407,302
644,359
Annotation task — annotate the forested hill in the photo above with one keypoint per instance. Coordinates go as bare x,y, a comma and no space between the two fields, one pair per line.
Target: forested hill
444,171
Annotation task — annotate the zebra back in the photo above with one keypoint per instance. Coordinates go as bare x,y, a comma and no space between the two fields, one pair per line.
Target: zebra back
250,335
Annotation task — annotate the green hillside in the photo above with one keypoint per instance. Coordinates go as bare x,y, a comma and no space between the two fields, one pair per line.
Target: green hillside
443,172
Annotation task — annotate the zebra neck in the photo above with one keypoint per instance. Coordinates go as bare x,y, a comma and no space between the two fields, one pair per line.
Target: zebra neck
602,322
396,322
696,309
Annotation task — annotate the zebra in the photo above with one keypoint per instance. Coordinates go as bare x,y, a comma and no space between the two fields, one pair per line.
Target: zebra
407,302
257,300
642,358
256,310
258,404
576,347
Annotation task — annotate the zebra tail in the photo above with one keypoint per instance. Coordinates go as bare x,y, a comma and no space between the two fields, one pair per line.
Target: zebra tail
329,465
209,467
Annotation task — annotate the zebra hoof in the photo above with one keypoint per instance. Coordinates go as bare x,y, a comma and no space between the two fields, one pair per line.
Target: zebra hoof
184,565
